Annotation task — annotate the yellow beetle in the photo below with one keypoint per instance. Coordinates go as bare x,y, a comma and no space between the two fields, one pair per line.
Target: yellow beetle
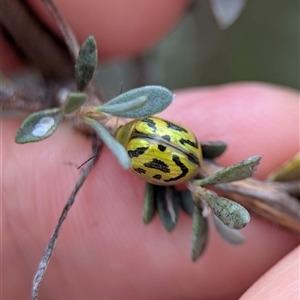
161,152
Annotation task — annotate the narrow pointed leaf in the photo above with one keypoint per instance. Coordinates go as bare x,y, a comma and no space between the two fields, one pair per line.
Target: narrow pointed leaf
158,98
200,234
227,11
289,171
86,63
211,150
230,235
114,146
74,101
120,108
187,202
239,171
39,126
229,212
149,209
168,206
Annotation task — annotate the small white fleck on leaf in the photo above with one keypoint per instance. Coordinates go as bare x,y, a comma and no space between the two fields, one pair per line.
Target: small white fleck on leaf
39,125
44,125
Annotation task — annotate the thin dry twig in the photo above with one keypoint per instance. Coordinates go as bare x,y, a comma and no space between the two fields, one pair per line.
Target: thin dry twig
34,40
63,26
33,97
96,148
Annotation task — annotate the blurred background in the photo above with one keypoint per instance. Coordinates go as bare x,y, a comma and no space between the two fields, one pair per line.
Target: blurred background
261,45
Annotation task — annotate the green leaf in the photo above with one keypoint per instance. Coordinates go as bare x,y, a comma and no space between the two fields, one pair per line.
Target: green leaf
158,98
86,63
120,108
187,202
211,150
114,146
241,170
289,171
149,209
39,126
73,102
231,236
200,234
229,212
168,206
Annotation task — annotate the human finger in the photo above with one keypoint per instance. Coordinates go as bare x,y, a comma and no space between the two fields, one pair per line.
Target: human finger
122,29
104,237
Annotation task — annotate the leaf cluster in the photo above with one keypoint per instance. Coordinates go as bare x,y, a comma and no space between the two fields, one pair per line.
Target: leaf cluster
137,103
199,202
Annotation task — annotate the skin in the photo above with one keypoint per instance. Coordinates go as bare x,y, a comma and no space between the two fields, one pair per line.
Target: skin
104,251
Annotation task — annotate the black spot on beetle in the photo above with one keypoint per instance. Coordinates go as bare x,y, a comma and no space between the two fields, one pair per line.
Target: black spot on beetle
150,123
161,148
191,143
158,165
175,127
166,137
184,169
137,152
193,159
140,170
157,176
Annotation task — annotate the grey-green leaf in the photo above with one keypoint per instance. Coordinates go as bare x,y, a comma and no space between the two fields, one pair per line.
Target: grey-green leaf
211,149
187,202
73,102
114,146
200,234
149,203
120,108
38,126
239,171
86,63
158,98
230,235
229,212
168,206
